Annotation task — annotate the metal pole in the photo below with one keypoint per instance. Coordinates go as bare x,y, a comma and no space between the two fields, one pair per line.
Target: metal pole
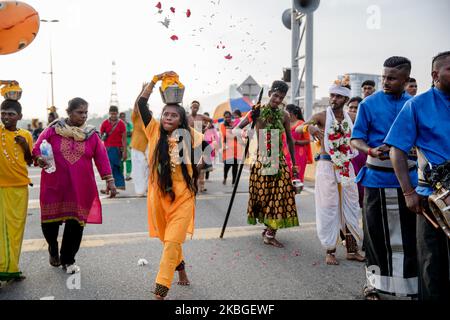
309,65
241,167
51,74
295,29
236,183
51,60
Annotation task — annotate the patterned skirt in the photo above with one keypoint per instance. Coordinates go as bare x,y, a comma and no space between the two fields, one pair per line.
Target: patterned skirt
272,198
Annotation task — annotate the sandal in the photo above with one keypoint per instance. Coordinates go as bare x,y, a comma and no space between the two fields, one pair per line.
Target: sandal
15,279
71,269
264,233
370,293
355,257
54,261
272,241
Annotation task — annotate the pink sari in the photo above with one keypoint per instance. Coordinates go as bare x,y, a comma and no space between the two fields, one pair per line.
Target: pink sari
211,137
71,191
303,154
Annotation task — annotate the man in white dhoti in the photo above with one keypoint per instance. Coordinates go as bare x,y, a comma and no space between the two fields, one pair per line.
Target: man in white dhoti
336,192
139,154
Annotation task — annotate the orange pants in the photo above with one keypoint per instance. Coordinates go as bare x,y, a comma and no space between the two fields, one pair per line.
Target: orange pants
171,257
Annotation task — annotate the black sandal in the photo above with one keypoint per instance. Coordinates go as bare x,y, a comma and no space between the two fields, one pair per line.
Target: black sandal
54,261
264,233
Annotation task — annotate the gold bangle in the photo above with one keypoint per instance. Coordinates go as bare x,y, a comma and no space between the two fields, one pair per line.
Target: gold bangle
305,128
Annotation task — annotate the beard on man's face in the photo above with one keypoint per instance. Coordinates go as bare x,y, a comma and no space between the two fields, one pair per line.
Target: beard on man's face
336,105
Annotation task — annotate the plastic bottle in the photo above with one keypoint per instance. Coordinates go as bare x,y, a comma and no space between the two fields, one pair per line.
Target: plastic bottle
47,155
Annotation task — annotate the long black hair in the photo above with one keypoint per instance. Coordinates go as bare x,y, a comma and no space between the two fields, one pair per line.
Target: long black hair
296,111
161,160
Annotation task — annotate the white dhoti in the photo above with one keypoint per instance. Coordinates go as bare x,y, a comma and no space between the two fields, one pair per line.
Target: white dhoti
337,205
139,163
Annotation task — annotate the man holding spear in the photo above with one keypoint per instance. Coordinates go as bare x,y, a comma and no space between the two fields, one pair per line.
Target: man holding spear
271,193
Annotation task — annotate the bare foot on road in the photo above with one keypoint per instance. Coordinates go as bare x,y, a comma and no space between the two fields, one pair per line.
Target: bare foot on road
183,279
331,260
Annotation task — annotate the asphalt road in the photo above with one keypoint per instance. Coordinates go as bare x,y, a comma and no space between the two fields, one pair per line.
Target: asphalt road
239,266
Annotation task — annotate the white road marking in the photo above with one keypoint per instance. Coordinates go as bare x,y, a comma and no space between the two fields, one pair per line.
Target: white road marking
34,204
93,241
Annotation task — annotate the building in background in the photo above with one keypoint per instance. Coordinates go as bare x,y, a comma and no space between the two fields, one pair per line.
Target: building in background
356,80
321,105
287,78
287,100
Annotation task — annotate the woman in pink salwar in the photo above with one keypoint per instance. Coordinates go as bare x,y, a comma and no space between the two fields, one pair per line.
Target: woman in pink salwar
302,141
70,193
212,138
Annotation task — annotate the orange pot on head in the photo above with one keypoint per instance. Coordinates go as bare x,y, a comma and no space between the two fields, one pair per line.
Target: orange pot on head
19,25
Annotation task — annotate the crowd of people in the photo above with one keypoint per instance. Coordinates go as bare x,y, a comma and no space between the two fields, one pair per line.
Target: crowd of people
365,170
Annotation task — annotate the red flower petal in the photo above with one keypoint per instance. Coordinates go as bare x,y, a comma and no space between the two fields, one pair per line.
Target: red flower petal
174,38
172,9
229,57
188,13
159,6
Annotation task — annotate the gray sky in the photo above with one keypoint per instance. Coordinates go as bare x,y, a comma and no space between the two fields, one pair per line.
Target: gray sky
92,33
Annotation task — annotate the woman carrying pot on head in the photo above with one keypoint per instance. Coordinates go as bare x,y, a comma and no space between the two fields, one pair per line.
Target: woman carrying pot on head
172,181
69,194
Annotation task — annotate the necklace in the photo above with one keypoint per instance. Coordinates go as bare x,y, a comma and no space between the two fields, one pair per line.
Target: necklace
173,153
273,118
13,159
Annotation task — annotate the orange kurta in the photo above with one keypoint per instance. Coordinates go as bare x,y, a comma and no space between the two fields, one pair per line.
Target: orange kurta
138,138
169,221
231,147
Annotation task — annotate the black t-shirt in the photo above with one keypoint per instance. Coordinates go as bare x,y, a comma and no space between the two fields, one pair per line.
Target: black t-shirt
36,133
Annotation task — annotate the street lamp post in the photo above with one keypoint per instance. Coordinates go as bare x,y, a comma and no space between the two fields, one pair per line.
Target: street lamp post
51,62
